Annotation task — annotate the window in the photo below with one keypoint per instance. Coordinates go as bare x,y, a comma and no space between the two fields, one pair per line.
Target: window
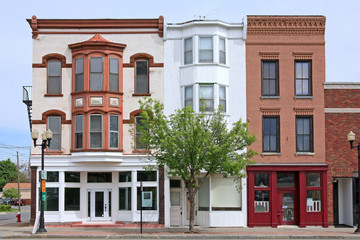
271,134
138,125
96,73
224,194
95,131
270,78
124,176
303,78
114,131
304,134
79,131
261,180
152,204
313,179
206,50
99,177
174,183
72,177
146,176
206,98
188,51
204,196
114,75
313,192
52,199
79,74
141,76
125,198
222,52
54,124
72,199
261,202
222,98
54,77
285,180
51,177
189,96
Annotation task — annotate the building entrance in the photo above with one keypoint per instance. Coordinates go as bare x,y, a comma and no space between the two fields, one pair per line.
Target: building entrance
99,205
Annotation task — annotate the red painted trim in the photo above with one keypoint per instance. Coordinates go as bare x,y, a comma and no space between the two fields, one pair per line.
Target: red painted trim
53,95
141,94
52,112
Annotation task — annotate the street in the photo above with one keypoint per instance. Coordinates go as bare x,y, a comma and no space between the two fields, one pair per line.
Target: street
6,218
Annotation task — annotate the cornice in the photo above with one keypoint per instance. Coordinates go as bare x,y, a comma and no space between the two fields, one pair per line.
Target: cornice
153,23
286,25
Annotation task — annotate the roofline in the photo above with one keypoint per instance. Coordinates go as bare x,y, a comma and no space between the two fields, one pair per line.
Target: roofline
341,85
204,22
285,15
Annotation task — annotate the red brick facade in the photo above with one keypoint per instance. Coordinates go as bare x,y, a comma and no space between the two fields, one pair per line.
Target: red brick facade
341,117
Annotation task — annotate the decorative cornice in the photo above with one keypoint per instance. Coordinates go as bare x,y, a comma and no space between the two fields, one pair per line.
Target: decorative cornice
270,111
286,25
52,56
269,55
139,56
302,55
97,42
304,111
155,23
52,112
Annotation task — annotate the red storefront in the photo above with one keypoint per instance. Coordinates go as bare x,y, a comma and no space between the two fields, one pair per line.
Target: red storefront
287,194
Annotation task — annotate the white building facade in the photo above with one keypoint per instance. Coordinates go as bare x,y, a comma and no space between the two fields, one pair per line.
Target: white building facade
205,68
88,75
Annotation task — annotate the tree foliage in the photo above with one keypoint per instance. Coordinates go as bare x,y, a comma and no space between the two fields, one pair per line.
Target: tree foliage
8,173
190,144
11,193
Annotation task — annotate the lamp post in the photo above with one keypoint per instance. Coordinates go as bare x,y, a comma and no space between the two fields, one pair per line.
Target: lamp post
46,138
351,139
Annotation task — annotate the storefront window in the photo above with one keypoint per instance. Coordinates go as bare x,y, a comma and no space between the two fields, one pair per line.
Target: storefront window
124,176
150,197
72,199
51,177
313,179
313,201
285,180
146,176
261,201
125,198
52,199
261,180
225,196
72,177
204,196
99,177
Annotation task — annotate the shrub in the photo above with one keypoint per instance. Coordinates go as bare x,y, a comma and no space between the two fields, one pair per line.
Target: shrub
5,208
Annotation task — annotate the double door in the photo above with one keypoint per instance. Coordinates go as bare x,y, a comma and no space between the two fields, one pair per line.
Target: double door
99,205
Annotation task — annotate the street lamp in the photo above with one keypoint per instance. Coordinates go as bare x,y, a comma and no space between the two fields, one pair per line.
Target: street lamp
351,139
46,138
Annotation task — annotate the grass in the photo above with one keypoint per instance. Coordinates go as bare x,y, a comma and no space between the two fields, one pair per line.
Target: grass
7,208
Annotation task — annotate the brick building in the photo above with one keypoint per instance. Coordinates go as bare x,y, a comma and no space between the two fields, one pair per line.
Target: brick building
342,115
285,72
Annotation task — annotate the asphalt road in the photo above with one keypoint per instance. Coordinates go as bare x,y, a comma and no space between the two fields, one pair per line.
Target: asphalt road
6,218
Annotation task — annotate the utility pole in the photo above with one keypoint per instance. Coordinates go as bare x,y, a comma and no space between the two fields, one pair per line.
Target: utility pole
18,171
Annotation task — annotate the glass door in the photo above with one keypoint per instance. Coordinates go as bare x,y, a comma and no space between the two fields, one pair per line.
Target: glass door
288,208
99,205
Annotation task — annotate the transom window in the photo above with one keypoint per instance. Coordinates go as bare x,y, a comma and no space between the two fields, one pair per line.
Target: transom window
303,78
141,76
54,124
95,131
206,97
188,51
206,50
304,134
271,134
54,77
270,78
96,73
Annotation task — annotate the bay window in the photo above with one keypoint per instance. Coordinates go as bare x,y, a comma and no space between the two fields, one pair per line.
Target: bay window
189,96
188,51
79,131
95,131
114,75
206,97
79,74
222,51
206,50
114,131
96,73
222,98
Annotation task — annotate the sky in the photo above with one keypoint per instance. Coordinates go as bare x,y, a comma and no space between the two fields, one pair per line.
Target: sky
342,41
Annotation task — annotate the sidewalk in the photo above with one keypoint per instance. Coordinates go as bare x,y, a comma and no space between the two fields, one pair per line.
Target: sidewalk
23,231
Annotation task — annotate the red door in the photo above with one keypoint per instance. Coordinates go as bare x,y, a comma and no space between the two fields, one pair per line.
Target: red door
287,207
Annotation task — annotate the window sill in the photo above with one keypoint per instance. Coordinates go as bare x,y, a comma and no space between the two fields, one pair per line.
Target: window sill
270,97
141,94
304,154
53,95
270,154
303,97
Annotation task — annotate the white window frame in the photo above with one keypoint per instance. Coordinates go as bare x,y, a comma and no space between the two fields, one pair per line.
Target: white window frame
212,49
75,131
222,51
213,95
112,131
191,50
192,96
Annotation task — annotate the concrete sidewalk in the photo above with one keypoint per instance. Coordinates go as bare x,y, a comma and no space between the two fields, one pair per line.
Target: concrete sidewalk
23,231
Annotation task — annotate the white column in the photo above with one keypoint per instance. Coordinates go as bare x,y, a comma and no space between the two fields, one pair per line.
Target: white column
133,196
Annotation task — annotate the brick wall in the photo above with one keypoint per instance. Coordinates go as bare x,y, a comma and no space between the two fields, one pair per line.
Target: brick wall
342,98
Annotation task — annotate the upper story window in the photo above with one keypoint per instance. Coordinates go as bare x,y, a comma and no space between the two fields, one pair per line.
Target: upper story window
139,145
189,96
271,134
114,75
270,78
96,73
206,50
96,131
79,131
222,98
141,76
54,77
304,134
206,97
114,131
79,74
188,51
222,51
303,78
54,124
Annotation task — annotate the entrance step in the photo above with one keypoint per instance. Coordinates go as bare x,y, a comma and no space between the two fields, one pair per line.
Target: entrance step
116,225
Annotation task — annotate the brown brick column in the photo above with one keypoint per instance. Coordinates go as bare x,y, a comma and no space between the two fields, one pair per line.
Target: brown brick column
33,195
161,196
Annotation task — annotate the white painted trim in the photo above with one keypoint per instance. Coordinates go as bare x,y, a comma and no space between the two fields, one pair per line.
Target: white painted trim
342,110
342,85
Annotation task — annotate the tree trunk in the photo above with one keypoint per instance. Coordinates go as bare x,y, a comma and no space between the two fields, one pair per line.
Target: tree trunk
192,210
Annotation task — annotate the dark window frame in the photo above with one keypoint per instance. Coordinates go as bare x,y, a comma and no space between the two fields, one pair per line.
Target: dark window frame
57,76
263,79
147,75
277,134
311,135
309,79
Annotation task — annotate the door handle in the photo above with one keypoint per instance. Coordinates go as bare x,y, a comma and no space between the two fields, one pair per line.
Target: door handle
105,207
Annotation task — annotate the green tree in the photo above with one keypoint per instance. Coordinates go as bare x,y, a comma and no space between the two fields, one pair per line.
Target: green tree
190,143
8,173
11,193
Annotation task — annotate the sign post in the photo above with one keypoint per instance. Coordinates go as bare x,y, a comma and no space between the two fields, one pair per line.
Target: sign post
141,205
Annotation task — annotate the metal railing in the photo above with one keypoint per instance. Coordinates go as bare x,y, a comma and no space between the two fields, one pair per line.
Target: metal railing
27,94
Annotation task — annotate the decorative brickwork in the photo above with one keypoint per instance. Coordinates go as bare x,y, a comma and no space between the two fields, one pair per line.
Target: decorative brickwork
269,55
